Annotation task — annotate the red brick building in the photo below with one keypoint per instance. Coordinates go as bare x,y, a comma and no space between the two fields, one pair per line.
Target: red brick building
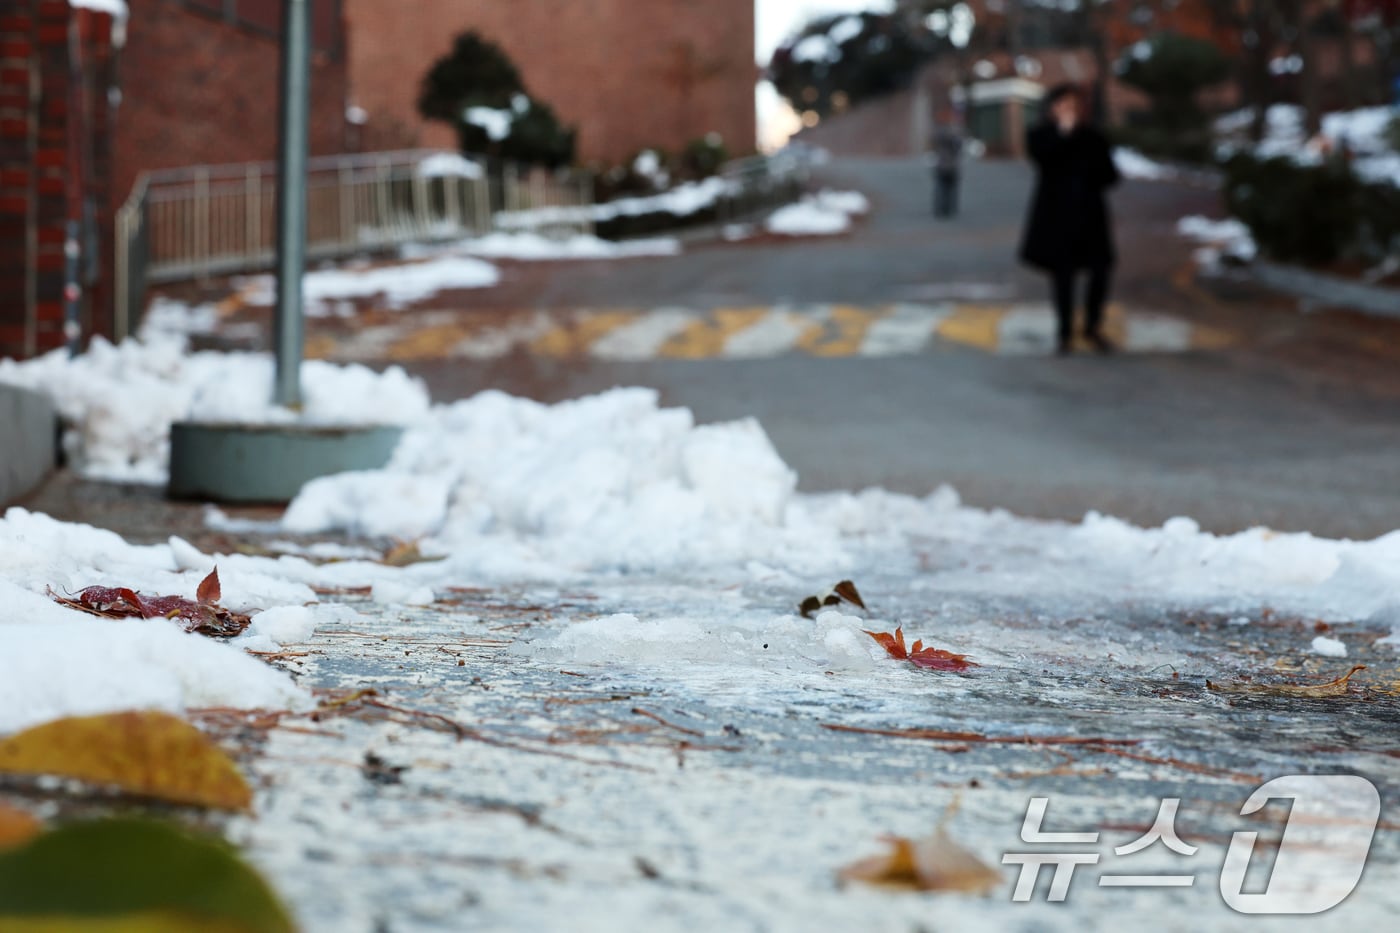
628,73
199,77
56,70
89,102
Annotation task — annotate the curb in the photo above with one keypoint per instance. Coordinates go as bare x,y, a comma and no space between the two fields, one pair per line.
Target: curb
1327,290
28,429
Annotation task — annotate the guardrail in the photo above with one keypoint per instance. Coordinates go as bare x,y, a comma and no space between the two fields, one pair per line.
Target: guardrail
208,220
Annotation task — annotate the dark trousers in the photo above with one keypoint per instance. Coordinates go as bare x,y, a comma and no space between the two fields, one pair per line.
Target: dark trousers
945,192
1064,282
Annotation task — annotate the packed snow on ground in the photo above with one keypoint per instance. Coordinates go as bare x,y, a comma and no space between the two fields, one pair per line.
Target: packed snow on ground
1220,240
1133,164
400,284
821,214
682,201
1361,132
57,662
117,402
527,246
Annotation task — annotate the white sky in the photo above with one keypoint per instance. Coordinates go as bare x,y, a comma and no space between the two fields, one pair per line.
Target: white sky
774,21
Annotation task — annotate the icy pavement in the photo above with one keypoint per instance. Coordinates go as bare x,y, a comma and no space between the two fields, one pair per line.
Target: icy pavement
695,791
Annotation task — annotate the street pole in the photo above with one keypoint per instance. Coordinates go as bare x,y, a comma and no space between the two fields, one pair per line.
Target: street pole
293,108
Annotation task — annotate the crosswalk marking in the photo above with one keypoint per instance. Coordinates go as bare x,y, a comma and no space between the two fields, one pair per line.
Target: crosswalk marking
635,334
706,336
641,338
906,328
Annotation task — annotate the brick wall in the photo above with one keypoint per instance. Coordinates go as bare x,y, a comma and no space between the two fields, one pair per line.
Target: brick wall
201,88
628,73
55,72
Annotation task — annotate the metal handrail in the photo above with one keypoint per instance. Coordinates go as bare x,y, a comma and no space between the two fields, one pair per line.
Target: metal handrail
206,220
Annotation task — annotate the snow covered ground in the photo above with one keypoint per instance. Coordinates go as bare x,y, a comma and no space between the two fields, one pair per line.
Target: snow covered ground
822,214
1220,240
613,487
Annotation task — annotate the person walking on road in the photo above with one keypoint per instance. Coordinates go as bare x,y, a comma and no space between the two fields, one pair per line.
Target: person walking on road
1068,230
947,146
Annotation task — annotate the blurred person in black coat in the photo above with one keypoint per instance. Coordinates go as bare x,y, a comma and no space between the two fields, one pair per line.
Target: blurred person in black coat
1069,230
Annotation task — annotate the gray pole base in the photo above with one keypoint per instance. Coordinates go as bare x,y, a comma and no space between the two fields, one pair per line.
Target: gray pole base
28,441
268,463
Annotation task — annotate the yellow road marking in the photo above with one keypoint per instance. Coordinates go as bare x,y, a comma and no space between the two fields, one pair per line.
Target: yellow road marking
320,347
974,325
575,337
429,343
706,337
842,333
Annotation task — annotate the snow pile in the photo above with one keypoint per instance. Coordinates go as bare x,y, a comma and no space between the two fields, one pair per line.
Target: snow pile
400,285
1359,134
1133,164
448,165
526,247
609,481
822,214
58,662
118,401
1222,240
682,201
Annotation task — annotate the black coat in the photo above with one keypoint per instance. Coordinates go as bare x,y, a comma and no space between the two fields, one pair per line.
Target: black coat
1068,226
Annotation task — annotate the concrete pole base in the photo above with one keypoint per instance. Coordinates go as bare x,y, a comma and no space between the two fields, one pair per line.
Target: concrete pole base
268,463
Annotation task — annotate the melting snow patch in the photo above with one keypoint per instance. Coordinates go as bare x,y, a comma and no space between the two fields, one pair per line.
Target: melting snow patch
822,214
1329,647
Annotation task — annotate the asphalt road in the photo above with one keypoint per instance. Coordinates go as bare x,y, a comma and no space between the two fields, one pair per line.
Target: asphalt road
1292,427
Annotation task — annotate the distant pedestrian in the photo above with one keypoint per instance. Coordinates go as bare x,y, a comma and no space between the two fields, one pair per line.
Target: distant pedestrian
1069,230
947,146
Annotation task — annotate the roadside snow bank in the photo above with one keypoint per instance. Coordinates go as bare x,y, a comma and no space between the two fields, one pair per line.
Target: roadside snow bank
1227,239
822,214
526,246
58,662
118,401
400,284
607,481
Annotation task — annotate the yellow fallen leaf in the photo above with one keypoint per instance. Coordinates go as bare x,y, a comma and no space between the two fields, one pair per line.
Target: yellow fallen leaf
151,754
1333,688
16,826
934,863
145,922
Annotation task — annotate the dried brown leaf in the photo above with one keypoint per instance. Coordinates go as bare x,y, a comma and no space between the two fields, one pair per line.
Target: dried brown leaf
1333,688
934,863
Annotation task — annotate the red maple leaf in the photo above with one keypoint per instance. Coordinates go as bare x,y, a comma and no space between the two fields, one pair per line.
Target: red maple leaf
934,659
205,617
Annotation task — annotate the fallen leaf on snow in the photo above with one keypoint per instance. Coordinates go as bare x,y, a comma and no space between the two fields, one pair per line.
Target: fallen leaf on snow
150,754
845,591
934,863
1333,688
203,617
935,659
133,876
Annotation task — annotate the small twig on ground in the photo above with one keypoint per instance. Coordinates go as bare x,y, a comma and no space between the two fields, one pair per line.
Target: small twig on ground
939,735
637,710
